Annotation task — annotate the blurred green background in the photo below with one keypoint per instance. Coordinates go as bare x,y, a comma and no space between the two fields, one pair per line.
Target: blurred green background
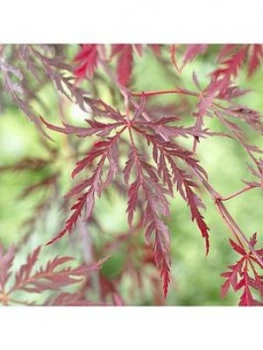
196,278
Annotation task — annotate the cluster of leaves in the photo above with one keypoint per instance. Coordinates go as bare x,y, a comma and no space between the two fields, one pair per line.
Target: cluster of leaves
239,276
51,277
230,56
138,150
152,183
87,59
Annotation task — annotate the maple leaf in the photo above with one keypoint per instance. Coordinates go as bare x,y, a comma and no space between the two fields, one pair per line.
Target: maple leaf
172,55
192,51
254,53
125,61
64,83
239,275
72,220
247,298
189,55
94,184
6,261
103,150
204,105
231,277
250,117
53,276
231,92
230,68
156,48
164,153
255,58
96,127
87,58
169,131
139,48
16,90
224,51
156,203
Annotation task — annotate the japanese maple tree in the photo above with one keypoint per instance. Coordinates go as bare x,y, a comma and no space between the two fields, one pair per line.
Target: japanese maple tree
133,146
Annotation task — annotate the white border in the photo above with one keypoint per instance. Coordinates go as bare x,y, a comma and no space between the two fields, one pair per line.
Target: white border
162,328
151,21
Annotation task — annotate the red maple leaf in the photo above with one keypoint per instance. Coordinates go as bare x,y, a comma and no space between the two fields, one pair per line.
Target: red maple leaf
87,58
125,61
243,274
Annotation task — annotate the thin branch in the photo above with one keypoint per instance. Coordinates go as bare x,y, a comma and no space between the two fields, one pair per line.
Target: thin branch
233,195
125,93
162,92
228,218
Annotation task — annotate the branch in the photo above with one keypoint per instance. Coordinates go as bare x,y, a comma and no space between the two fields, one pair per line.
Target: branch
233,195
125,93
162,92
228,218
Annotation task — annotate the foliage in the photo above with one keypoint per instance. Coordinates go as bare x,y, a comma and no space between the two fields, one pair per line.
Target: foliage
134,145
45,278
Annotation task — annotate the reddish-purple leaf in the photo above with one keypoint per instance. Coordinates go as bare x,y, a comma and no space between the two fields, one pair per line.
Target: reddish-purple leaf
173,50
194,202
139,48
26,269
255,58
230,66
6,261
125,62
231,277
51,276
156,48
71,222
87,58
225,51
192,51
240,250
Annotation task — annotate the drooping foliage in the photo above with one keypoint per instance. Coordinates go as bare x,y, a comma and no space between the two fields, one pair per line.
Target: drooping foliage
136,150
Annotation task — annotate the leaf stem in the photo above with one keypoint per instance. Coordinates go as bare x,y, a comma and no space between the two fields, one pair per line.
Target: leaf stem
233,195
162,92
240,236
125,93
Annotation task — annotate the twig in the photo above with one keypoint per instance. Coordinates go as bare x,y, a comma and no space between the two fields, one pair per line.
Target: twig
233,195
228,218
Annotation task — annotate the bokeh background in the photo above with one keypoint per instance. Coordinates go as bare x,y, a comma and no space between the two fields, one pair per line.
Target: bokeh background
196,278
